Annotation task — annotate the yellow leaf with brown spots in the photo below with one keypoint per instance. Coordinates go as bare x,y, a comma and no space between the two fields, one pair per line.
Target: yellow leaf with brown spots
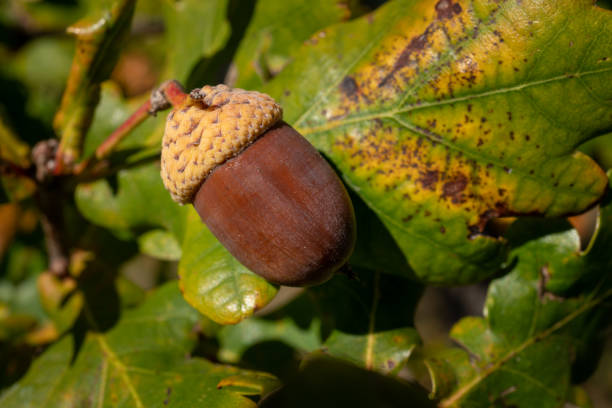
443,114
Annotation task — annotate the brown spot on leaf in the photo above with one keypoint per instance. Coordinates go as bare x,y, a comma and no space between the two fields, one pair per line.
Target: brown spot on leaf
429,179
348,86
453,189
447,9
417,44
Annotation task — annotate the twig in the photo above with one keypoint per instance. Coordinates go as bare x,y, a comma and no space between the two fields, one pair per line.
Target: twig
9,168
168,94
50,200
134,120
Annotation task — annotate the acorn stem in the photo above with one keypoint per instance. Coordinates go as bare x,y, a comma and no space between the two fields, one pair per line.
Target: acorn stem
130,124
171,92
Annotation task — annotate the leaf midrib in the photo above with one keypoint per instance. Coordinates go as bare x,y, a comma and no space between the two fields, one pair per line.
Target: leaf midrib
389,113
371,340
120,367
425,77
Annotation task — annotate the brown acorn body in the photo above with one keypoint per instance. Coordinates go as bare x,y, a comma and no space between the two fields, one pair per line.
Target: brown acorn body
262,189
280,209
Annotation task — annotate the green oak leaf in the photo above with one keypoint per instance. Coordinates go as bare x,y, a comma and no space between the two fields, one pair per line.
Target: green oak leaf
14,186
214,282
541,324
327,382
276,30
12,149
140,202
366,320
375,248
380,308
160,244
295,326
141,362
442,114
196,29
45,86
600,149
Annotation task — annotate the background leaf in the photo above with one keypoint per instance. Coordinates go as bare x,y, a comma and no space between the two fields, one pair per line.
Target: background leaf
542,321
275,31
366,320
11,148
351,386
98,42
139,363
196,29
160,244
379,334
140,202
112,110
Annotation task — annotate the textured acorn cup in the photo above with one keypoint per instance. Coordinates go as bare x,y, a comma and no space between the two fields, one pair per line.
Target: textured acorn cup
272,200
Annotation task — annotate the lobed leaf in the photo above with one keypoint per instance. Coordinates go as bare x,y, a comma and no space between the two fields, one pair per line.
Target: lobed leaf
374,326
275,31
14,154
139,363
139,202
541,325
442,114
160,244
12,149
214,282
366,320
326,382
196,29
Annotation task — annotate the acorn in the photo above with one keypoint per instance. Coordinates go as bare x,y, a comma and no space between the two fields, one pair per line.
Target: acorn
261,188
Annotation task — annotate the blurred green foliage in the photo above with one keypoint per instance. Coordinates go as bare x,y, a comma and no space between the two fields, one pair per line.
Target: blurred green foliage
116,329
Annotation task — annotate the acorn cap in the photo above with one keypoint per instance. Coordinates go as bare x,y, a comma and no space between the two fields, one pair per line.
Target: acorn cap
214,124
